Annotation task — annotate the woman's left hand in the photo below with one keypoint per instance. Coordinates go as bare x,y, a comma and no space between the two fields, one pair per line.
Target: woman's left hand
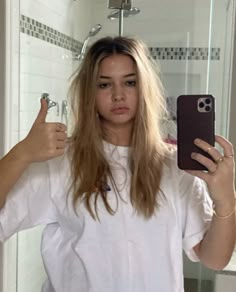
220,175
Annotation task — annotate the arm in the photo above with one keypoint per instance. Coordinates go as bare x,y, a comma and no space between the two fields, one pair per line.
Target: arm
216,248
44,141
11,168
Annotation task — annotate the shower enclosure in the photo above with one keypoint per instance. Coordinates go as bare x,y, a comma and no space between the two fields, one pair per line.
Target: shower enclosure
192,41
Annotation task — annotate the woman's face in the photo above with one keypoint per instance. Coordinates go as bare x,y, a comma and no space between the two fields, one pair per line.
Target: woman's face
117,92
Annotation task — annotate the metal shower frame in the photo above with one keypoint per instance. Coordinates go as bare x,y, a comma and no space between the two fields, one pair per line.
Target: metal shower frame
121,5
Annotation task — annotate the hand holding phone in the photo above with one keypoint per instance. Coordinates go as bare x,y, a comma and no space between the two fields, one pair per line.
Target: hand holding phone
195,119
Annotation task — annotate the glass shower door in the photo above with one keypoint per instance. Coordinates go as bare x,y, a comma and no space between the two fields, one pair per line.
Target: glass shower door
220,84
192,43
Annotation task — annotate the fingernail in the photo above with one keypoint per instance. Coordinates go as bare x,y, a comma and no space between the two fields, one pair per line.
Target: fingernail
197,141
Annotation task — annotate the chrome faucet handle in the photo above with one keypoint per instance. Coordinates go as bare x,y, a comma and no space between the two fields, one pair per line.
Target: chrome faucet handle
64,112
64,107
45,95
50,102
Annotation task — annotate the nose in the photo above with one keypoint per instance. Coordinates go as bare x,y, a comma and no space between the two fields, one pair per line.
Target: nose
117,93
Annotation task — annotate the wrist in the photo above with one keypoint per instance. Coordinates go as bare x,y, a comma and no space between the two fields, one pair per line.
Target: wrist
20,153
224,210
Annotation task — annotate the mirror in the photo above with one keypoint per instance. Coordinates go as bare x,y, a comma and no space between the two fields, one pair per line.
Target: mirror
190,40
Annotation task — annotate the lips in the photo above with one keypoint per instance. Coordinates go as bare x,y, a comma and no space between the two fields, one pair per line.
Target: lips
120,110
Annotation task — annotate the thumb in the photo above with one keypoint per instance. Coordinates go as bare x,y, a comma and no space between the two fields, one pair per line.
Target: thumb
41,117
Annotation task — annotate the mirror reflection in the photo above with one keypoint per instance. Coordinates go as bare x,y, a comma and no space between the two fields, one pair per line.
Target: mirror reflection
193,51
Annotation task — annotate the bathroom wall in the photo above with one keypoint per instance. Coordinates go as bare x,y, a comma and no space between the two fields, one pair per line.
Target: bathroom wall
46,46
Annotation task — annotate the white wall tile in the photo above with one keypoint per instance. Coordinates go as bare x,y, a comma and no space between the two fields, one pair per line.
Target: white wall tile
55,16
37,48
34,83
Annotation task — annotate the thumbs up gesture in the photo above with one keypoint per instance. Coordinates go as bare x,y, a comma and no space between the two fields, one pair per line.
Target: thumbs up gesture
45,140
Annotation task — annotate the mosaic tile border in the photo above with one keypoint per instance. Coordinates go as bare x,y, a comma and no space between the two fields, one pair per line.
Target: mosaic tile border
41,31
191,53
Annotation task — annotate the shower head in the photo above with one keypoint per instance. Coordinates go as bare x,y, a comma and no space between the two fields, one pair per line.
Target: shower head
126,13
94,30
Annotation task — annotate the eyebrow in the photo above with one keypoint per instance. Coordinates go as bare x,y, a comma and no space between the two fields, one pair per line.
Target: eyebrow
125,76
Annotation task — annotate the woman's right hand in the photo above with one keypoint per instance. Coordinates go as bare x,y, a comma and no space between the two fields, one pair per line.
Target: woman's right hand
45,140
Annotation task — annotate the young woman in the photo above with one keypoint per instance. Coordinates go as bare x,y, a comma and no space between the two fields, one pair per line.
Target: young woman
118,212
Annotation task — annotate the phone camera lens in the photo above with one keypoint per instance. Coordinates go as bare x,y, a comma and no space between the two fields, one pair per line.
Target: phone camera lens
201,104
207,101
207,108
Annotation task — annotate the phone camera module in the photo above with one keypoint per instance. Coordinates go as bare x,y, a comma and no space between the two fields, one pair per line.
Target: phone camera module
201,104
204,104
207,108
207,101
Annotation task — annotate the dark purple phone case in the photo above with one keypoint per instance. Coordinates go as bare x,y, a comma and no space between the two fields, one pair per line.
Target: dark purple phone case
192,124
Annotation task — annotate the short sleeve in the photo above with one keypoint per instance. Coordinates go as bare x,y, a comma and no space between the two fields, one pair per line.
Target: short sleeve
197,212
29,202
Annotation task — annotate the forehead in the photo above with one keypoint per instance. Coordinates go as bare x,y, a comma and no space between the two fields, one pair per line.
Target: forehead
117,62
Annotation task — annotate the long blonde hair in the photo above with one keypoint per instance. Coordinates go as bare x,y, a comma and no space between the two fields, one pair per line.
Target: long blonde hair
90,168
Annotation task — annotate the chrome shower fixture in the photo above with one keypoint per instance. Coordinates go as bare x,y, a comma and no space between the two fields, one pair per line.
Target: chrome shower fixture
120,4
94,30
50,102
64,112
123,8
126,13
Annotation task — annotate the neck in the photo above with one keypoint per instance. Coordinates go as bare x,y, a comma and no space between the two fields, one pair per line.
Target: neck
119,135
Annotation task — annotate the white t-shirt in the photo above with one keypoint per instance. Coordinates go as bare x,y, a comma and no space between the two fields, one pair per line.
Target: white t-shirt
120,253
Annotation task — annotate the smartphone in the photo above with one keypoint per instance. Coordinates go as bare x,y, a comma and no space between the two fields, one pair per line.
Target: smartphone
195,119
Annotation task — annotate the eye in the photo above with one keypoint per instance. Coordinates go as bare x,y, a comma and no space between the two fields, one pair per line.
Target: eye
131,83
103,85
